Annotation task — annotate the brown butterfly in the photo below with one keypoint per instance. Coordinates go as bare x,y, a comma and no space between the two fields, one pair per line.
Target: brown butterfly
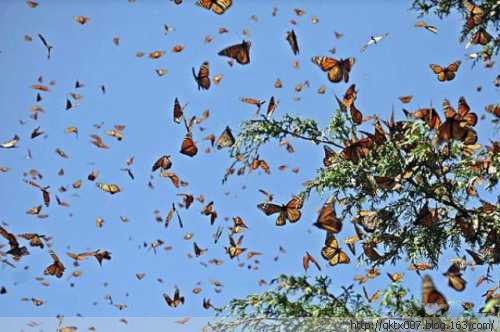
178,111
176,301
429,115
481,37
405,99
163,162
15,250
292,40
217,6
455,279
203,78
34,238
55,269
458,125
329,153
260,163
309,258
188,146
431,296
197,250
357,149
108,187
327,219
447,73
226,139
476,15
235,249
239,52
338,70
493,109
332,253
289,211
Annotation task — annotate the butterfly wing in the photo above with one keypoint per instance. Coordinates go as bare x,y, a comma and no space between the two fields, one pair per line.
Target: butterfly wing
226,139
328,220
188,147
269,208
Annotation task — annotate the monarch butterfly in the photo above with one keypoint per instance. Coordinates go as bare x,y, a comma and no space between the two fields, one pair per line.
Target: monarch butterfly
217,6
176,301
493,109
357,149
208,210
156,54
422,24
447,73
163,162
173,177
458,124
226,139
356,115
234,249
55,269
35,239
292,40
239,52
309,258
253,101
327,219
239,225
202,79
262,164
371,298
431,296
475,17
426,217
429,115
349,97
289,211
15,250
481,37
329,153
455,279
332,253
188,146
107,187
81,19
271,107
396,277
197,250
338,70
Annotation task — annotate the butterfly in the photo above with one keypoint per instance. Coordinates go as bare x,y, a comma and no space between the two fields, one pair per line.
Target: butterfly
429,115
226,139
234,249
396,277
289,211
476,15
332,253
15,249
11,143
271,107
202,79
405,99
431,296
34,238
455,279
481,37
422,24
217,6
327,219
338,70
163,162
178,111
309,258
188,146
197,250
46,44
55,269
253,101
176,301
260,163
81,19
292,40
447,73
107,187
356,150
458,125
329,154
493,109
239,52
371,298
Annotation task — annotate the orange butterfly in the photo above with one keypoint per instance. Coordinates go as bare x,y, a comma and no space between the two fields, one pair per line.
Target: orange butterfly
458,125
202,79
289,211
447,73
431,296
239,52
357,149
327,219
455,279
176,301
338,70
332,253
55,269
217,6
226,139
429,115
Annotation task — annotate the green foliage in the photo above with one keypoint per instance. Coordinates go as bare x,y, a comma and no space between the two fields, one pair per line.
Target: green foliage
490,20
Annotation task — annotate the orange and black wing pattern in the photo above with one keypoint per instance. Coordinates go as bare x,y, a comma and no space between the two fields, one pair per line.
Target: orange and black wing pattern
219,7
238,52
203,79
337,70
447,73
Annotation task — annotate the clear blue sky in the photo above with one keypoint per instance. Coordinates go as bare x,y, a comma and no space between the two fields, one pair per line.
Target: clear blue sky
139,99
